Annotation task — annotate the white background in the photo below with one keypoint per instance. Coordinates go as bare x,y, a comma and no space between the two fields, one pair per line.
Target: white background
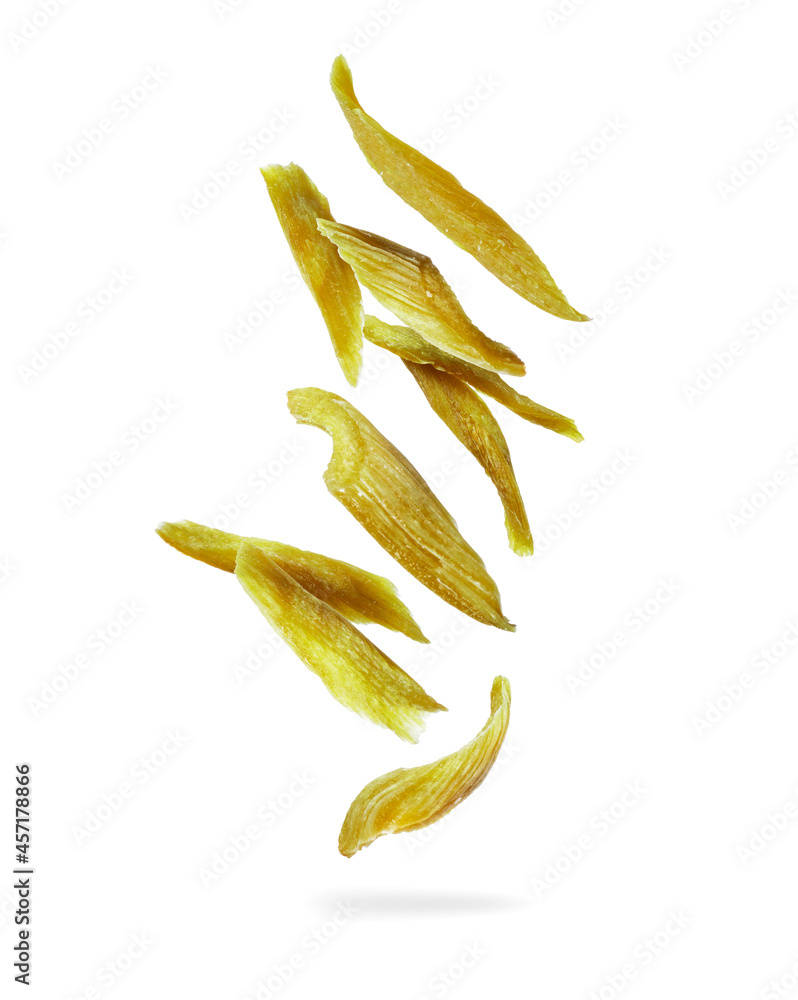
679,108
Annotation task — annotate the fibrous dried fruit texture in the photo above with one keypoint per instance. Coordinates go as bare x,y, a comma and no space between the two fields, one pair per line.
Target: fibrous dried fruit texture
411,346
389,497
356,594
412,798
474,426
443,201
298,204
410,285
353,669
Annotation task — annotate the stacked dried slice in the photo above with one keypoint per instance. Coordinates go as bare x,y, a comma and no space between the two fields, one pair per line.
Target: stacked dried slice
310,601
411,346
354,593
409,284
353,669
445,381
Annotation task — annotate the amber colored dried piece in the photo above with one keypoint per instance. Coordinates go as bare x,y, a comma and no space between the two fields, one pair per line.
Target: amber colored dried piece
353,592
443,201
389,497
411,346
352,668
298,203
410,285
412,798
474,426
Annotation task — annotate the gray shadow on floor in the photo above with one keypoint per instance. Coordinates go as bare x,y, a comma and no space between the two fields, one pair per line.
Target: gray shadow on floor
397,903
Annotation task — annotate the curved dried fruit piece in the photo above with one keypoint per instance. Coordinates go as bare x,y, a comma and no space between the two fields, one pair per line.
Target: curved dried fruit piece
474,426
352,668
410,285
411,346
412,798
388,496
298,203
353,592
443,201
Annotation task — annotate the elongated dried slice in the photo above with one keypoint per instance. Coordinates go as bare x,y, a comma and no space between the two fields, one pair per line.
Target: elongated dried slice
389,497
443,201
353,592
411,346
353,669
410,285
474,426
412,798
298,203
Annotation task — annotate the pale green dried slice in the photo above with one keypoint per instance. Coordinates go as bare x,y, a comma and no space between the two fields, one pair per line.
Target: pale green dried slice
443,201
412,798
412,288
353,669
353,592
411,346
474,426
298,203
391,500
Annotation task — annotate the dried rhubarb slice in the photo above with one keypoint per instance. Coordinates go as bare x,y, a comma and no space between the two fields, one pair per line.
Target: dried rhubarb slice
443,201
353,592
389,497
474,426
410,285
412,798
411,346
353,669
298,203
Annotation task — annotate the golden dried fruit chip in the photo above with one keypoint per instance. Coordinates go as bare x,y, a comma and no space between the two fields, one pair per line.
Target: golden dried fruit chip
443,201
353,669
298,204
355,593
411,346
475,427
389,497
410,285
412,798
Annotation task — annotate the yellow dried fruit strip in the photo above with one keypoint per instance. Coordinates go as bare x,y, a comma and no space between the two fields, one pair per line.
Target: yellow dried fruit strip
443,201
353,592
411,346
352,668
412,798
410,285
298,203
389,497
474,426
